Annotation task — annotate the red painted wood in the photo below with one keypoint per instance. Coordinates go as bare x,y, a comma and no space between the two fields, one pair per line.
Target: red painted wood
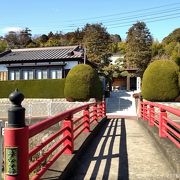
86,120
44,143
37,128
68,134
18,137
95,118
151,116
38,162
13,138
161,121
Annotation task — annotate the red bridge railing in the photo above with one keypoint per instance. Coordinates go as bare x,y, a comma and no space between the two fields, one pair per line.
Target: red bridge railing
162,117
35,162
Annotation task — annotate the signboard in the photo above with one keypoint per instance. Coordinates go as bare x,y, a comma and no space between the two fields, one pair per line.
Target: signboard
138,84
11,158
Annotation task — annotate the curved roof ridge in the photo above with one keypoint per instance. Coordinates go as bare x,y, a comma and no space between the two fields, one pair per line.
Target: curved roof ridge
46,48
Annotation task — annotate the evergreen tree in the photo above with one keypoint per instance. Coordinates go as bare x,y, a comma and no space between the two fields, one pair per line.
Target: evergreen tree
12,39
172,37
25,37
97,42
138,49
3,45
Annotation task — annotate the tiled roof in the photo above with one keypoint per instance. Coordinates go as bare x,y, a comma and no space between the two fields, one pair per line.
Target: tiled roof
47,53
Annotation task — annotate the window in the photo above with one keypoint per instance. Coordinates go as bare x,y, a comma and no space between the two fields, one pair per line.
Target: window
17,75
14,75
27,74
11,75
44,74
53,74
38,74
31,75
59,74
56,74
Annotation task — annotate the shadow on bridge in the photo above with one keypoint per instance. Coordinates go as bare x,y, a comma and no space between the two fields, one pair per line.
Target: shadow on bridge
106,157
123,104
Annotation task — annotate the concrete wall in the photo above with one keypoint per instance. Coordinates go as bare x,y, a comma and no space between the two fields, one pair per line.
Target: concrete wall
40,107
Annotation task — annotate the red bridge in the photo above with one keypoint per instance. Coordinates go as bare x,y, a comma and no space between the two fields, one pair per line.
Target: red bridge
115,148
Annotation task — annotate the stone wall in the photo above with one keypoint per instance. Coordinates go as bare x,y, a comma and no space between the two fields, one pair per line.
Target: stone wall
40,107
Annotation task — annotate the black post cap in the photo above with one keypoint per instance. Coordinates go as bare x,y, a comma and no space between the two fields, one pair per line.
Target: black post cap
16,97
16,113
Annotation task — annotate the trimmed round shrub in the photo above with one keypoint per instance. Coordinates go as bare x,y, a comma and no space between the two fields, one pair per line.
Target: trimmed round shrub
82,83
160,81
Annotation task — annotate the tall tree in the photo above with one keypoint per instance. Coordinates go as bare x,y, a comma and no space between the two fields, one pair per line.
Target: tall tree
172,37
25,37
171,45
138,49
97,42
157,50
19,39
115,38
3,45
12,39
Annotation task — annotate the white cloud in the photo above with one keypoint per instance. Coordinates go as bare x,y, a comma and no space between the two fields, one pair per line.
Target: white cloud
8,29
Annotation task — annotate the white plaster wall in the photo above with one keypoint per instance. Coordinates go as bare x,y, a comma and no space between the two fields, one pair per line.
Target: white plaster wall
3,68
70,64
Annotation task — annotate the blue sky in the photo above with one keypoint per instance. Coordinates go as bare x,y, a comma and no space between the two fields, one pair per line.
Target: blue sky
42,16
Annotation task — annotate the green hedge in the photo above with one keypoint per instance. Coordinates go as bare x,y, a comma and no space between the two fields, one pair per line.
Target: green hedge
82,83
160,81
44,88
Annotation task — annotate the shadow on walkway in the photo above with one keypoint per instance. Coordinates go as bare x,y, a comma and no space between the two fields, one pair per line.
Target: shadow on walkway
106,157
118,105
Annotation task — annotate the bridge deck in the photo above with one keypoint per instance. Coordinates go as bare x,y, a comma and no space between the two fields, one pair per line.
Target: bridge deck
122,150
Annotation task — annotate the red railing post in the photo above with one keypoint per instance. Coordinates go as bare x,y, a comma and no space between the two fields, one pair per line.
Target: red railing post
68,133
100,111
104,107
162,122
141,109
151,115
95,118
145,112
86,120
16,141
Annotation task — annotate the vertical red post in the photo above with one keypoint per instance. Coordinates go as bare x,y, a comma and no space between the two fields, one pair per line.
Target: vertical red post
145,112
148,112
68,133
86,120
104,107
95,119
100,110
162,122
141,109
151,116
16,140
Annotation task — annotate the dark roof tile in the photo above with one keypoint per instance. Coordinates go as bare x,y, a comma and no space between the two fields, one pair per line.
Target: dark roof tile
47,53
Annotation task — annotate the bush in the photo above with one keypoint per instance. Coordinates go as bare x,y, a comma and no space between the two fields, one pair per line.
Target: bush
160,81
82,83
45,88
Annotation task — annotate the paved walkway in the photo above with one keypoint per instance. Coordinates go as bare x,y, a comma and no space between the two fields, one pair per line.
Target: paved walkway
121,103
122,150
